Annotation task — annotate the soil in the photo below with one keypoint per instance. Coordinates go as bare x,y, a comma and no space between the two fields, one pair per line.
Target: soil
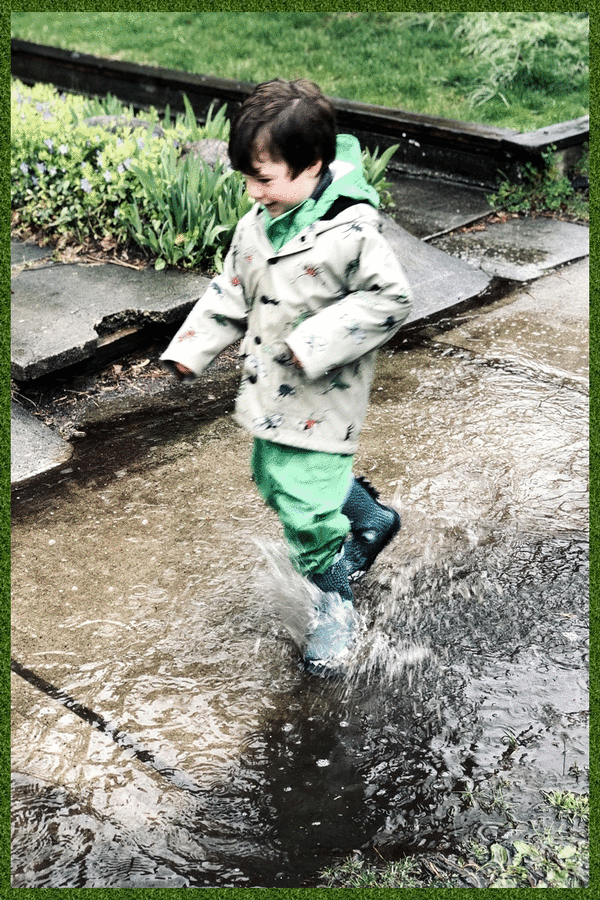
68,402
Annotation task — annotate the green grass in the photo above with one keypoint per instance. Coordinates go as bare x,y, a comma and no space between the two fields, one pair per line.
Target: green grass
416,62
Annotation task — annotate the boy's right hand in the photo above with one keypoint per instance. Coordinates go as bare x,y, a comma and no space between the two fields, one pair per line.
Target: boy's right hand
181,371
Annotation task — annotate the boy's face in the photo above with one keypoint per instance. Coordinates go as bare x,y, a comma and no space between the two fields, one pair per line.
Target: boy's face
273,186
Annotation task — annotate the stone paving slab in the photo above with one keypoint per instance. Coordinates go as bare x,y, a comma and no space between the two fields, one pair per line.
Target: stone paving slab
23,253
428,207
519,249
546,323
62,314
439,281
58,312
35,448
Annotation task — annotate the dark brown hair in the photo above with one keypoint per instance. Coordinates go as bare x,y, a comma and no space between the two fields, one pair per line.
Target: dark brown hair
292,121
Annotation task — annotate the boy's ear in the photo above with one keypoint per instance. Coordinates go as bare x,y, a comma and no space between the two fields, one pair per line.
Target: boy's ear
315,169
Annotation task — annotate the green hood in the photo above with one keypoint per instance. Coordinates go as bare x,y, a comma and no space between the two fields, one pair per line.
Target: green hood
348,181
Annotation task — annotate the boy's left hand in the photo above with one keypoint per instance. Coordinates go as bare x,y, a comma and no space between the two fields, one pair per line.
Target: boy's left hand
181,371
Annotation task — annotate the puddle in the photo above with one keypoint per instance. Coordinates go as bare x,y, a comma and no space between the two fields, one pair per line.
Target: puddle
141,594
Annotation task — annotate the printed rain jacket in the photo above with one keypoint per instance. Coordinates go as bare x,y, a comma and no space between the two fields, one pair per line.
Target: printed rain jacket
319,282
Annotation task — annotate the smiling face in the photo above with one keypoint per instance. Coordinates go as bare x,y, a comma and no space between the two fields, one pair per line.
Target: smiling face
271,184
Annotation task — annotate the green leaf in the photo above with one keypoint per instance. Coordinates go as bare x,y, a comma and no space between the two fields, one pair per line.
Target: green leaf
499,855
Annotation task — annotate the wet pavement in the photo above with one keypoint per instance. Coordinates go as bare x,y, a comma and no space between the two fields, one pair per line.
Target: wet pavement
164,734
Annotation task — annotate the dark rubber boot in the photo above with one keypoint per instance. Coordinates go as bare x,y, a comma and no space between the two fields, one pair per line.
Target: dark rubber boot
372,527
335,620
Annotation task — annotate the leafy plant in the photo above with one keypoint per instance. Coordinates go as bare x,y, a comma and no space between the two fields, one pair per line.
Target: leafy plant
374,167
544,859
76,182
70,179
569,804
539,188
215,126
357,873
542,863
187,212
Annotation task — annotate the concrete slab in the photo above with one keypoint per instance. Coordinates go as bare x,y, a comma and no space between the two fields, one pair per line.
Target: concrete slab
545,324
439,280
22,253
34,447
62,315
428,207
67,313
519,249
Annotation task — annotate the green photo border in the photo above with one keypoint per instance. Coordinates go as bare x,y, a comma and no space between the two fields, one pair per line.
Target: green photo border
257,6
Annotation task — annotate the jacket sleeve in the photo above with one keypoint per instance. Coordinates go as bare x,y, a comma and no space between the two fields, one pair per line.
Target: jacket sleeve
216,321
378,301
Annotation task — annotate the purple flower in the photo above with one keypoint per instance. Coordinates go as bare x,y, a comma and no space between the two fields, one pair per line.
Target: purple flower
86,186
24,168
107,176
63,149
49,143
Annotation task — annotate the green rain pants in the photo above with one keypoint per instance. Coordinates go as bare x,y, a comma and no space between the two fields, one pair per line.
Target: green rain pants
307,489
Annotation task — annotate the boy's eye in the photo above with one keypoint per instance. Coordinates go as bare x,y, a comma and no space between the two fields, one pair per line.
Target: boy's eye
258,180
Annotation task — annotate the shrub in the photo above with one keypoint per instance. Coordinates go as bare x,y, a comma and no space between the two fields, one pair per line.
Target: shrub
76,181
88,183
539,189
69,178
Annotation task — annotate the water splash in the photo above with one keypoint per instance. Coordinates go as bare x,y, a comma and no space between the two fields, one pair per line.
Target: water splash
378,650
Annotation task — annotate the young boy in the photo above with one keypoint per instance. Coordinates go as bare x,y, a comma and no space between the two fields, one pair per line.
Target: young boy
314,290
